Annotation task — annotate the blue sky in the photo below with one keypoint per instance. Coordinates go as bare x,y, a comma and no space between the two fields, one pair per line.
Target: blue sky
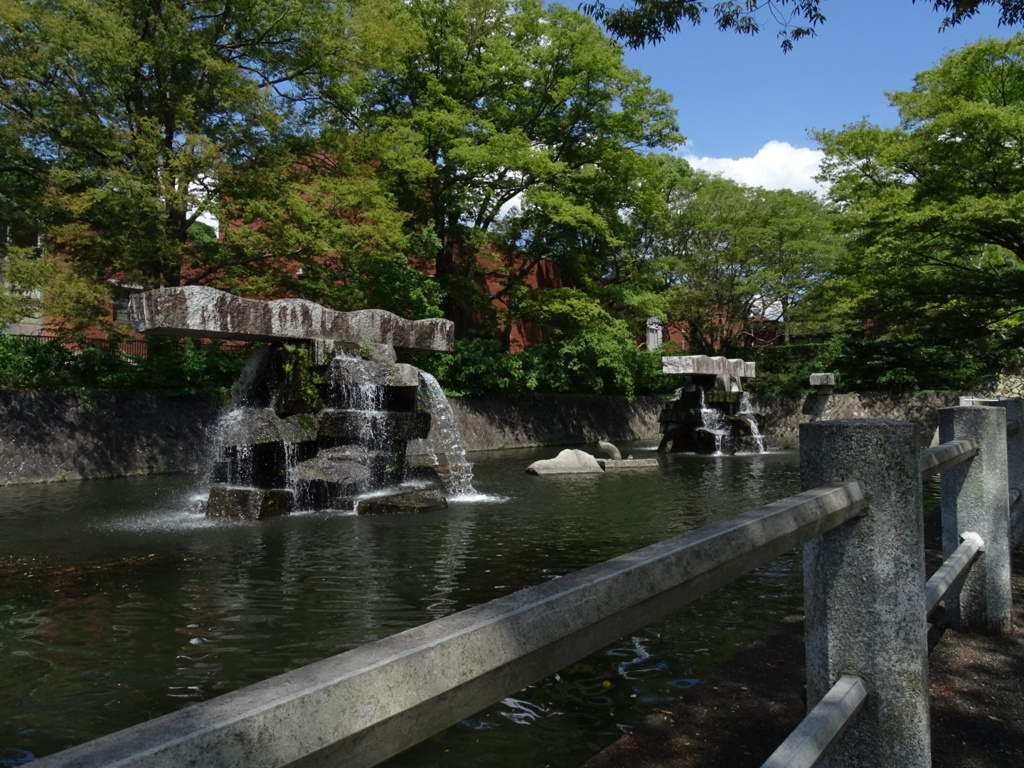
746,107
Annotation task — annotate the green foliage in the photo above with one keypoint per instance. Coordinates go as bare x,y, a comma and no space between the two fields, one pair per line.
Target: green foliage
650,21
585,351
786,369
932,212
22,275
329,231
29,364
480,367
302,382
887,363
190,367
122,123
907,363
172,367
512,131
731,255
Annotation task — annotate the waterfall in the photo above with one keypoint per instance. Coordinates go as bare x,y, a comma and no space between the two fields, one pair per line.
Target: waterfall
237,469
445,438
360,391
748,412
712,422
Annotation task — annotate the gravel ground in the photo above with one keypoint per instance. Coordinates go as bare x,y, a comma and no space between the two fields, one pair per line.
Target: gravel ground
738,715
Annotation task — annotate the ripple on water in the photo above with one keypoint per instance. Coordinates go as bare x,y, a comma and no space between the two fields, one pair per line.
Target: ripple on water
125,603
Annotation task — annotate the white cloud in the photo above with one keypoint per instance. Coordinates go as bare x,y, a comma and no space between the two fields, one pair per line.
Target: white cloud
777,165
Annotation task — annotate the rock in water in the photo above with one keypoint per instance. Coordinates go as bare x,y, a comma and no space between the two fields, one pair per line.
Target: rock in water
569,462
402,503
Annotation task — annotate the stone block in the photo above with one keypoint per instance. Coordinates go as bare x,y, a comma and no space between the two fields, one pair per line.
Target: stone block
332,479
358,384
613,465
205,312
823,379
253,426
403,503
380,353
248,503
708,366
864,590
369,428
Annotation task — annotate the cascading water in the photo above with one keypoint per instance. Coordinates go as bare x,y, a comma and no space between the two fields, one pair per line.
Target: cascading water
315,432
713,422
360,393
446,439
747,412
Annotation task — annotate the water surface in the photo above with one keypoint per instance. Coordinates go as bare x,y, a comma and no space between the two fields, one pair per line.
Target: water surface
120,602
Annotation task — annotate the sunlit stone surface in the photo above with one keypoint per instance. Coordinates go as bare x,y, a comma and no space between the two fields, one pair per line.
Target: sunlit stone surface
208,313
571,461
710,366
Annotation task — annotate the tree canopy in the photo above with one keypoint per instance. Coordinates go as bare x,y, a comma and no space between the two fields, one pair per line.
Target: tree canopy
491,160
649,21
517,132
934,208
738,262
122,124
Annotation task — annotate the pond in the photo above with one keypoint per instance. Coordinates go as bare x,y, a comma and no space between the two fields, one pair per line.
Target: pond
119,602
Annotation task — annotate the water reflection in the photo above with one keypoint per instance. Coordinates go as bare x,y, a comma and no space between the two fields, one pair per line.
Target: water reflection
119,602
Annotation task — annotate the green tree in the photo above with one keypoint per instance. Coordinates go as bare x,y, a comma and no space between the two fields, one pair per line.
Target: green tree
733,257
934,211
123,121
649,21
330,232
513,127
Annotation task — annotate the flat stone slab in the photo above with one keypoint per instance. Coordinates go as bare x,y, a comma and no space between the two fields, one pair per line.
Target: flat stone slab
205,312
248,503
571,461
403,503
254,426
613,465
710,366
823,379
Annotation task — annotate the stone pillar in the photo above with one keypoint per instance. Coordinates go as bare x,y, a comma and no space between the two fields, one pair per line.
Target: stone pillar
974,499
1015,467
654,333
864,591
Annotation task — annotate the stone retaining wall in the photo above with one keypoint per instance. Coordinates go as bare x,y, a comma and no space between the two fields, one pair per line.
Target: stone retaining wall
1011,385
47,437
60,436
488,423
780,417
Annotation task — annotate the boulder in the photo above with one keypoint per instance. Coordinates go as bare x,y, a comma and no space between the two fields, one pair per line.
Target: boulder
571,461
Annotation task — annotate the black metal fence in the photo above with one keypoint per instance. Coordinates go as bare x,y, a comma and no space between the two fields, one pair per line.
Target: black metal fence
134,347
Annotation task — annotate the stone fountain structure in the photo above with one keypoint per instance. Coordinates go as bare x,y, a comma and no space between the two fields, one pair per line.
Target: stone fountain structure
323,414
710,413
